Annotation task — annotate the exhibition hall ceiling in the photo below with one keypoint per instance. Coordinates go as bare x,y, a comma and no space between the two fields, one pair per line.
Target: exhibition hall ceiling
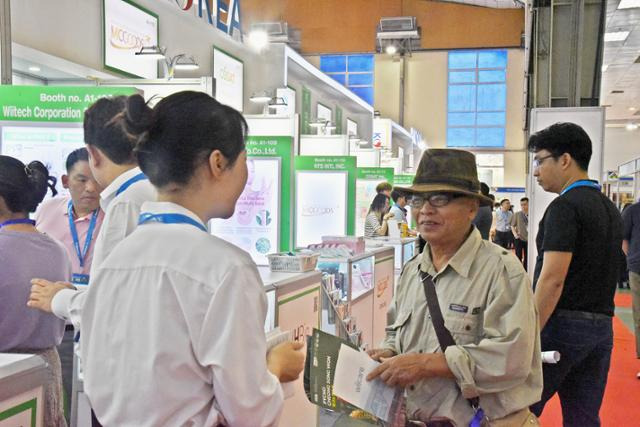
621,63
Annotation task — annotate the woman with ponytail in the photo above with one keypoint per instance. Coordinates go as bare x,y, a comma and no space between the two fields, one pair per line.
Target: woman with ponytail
173,321
110,134
27,253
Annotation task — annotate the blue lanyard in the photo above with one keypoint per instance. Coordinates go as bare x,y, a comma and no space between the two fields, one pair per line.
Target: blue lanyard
147,217
18,221
130,181
74,233
582,183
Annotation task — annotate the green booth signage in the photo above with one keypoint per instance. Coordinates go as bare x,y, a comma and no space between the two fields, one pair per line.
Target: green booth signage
52,103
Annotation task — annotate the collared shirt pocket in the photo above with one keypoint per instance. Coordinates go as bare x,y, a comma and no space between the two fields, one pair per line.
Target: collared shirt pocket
397,327
464,328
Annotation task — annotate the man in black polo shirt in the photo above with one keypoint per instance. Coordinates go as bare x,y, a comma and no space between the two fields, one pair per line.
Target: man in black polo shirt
575,275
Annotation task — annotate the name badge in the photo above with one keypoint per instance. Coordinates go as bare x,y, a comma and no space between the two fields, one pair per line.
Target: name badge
459,308
80,279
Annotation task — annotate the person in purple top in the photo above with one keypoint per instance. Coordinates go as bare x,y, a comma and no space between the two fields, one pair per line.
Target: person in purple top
26,253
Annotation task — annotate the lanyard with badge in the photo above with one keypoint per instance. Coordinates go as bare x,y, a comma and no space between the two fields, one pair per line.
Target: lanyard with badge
582,183
18,221
147,217
139,177
77,278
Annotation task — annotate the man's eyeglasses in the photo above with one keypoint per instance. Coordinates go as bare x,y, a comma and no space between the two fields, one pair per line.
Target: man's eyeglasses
437,200
537,162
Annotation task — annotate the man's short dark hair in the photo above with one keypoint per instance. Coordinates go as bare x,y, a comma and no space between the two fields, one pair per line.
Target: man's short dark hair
524,199
395,195
79,155
484,189
504,200
492,197
383,186
563,138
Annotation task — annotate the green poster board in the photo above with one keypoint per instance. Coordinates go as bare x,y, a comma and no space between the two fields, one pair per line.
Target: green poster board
44,123
403,180
305,118
338,121
321,198
47,104
278,146
379,174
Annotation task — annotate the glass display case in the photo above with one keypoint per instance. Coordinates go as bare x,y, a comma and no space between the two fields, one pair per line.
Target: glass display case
405,248
352,276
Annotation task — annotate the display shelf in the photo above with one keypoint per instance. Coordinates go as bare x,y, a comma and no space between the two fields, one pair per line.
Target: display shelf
296,308
22,379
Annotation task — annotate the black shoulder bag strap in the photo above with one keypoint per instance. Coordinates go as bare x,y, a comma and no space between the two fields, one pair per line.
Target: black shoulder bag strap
445,339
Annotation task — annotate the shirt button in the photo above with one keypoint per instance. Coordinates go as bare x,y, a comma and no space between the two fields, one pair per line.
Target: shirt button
467,328
504,252
419,351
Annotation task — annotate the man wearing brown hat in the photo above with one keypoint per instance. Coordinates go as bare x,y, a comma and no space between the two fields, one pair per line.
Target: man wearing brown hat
462,334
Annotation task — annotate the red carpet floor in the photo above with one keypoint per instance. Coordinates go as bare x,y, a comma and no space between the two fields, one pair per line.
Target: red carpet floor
622,300
621,406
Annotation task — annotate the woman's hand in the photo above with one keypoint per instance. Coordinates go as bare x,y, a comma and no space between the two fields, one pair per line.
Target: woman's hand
42,293
286,361
387,216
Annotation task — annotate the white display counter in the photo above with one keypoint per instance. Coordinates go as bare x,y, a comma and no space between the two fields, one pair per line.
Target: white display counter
22,379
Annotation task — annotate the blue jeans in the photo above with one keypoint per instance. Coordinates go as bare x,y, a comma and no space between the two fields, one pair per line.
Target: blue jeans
585,341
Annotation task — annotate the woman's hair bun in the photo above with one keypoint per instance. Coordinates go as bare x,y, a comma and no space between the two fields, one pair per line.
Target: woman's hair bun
39,180
138,114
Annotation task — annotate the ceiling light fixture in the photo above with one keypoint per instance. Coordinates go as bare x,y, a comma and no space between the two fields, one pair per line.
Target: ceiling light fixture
616,36
604,67
632,109
152,52
318,123
628,4
184,63
258,39
260,97
631,126
391,49
34,69
277,101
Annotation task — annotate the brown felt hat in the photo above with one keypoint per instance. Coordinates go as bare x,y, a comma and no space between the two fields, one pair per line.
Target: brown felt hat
447,170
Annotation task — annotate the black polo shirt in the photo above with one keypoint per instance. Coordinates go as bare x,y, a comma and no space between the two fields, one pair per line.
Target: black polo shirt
585,222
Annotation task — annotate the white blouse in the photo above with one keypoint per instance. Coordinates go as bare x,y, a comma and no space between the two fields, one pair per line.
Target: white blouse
173,332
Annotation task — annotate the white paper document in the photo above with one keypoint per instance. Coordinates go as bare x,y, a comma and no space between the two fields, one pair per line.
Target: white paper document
351,384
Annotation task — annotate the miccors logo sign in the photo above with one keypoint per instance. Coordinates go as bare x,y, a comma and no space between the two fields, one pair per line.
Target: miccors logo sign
124,39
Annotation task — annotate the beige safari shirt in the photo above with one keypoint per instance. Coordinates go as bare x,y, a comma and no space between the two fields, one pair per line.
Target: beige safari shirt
487,303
